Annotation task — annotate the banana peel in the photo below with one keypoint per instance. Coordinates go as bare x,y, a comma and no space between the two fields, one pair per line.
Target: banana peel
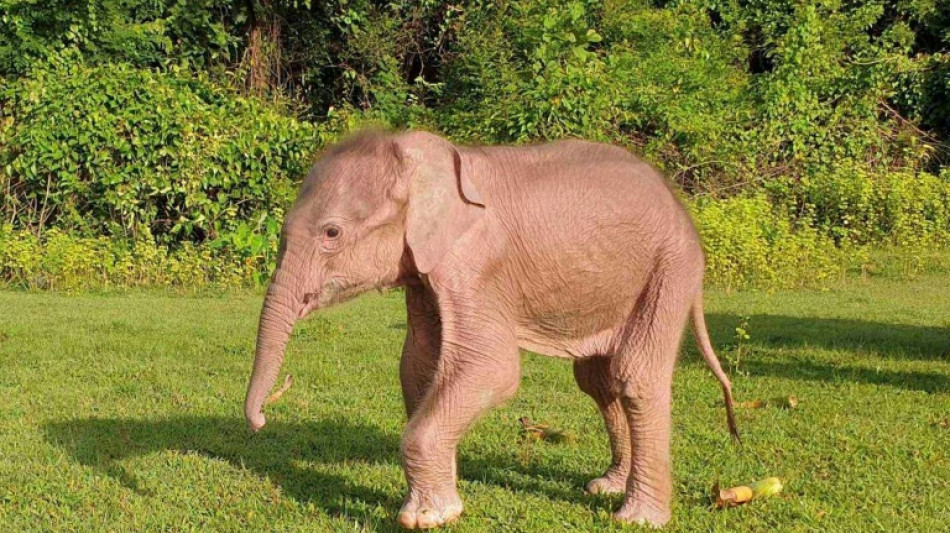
734,496
535,431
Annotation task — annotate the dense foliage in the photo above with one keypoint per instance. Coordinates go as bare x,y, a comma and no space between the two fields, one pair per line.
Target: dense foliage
60,261
803,128
115,150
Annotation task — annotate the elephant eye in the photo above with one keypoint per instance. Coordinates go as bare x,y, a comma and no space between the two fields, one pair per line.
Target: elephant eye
331,232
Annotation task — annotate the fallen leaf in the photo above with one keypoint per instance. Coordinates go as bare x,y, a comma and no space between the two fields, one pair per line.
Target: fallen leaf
544,432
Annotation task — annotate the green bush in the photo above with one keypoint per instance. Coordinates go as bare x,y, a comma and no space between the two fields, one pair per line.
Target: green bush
662,81
857,206
746,243
59,261
145,33
118,151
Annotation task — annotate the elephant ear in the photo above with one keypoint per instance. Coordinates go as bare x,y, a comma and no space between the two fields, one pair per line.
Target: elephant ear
443,203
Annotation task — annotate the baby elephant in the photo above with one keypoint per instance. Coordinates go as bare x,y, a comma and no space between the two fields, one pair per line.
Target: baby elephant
570,249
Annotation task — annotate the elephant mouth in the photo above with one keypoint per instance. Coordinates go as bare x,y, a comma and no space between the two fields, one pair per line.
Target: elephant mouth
337,291
311,301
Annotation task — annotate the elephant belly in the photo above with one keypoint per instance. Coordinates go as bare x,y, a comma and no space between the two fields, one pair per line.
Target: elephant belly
595,344
576,305
576,324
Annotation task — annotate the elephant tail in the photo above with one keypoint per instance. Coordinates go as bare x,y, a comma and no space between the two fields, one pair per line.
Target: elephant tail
705,347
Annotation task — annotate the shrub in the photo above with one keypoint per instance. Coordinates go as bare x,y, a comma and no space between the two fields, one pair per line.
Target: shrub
59,261
113,150
142,32
746,243
856,205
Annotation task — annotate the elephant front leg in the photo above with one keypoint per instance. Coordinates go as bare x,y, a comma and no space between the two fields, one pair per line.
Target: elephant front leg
472,378
420,351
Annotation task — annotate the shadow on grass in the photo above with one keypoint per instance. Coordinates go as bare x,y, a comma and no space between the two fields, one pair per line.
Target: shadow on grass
891,341
273,453
931,382
279,449
865,339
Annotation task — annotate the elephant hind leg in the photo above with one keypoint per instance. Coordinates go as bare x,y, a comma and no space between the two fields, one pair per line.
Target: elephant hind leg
593,377
643,374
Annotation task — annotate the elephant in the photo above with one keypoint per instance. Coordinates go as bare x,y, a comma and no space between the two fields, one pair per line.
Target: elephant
571,249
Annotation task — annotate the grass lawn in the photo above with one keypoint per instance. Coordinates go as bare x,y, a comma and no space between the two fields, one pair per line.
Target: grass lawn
123,412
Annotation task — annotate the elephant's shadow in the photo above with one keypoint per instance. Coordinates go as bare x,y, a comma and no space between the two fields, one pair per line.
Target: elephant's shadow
277,451
102,443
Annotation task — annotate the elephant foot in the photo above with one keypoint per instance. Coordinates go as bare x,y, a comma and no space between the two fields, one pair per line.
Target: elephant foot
633,512
612,482
430,510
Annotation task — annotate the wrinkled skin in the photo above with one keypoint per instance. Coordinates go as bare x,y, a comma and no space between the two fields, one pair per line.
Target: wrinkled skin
571,249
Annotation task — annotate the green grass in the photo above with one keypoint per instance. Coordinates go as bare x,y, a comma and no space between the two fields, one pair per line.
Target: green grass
123,412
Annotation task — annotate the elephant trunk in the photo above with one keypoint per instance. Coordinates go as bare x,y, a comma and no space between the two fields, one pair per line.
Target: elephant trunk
281,309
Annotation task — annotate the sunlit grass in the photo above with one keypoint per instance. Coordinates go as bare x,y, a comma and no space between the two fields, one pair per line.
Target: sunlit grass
123,412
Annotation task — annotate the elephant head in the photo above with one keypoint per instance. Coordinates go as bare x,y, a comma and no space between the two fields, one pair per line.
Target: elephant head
374,211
